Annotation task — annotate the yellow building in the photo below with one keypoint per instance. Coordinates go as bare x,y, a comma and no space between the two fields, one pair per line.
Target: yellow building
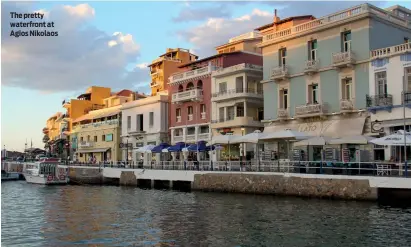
53,125
97,133
244,42
167,64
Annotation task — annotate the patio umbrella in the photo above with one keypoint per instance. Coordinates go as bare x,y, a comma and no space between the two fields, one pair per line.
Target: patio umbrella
396,139
145,149
254,137
359,139
159,148
178,147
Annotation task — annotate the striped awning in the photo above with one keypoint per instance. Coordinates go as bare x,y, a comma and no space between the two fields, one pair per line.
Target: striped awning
195,78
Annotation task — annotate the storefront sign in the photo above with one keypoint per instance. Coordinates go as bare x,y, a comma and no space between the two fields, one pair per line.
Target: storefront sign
315,125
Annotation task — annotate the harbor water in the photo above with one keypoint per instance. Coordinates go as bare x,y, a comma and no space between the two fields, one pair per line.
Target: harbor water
35,215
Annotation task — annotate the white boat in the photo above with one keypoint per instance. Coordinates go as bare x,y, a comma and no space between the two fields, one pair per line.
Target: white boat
47,172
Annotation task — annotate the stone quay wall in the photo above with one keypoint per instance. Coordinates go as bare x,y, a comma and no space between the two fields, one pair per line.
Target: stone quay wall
348,189
86,175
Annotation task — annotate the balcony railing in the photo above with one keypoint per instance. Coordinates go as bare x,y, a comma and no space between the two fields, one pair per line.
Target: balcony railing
283,113
310,109
233,92
189,95
379,100
188,75
407,99
346,104
238,67
203,136
190,138
391,51
340,59
178,119
99,124
280,72
311,66
190,117
178,138
334,18
249,35
236,121
203,115
84,144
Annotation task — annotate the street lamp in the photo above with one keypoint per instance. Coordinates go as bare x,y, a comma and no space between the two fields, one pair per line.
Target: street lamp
242,134
127,159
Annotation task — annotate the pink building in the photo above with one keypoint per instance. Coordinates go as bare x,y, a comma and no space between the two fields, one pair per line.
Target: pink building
190,95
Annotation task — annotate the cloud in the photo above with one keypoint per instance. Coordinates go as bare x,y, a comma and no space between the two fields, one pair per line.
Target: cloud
198,14
221,30
216,31
80,56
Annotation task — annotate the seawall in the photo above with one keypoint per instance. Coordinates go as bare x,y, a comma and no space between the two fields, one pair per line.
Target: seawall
271,183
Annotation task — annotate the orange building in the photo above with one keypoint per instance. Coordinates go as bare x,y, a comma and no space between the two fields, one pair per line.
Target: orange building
167,64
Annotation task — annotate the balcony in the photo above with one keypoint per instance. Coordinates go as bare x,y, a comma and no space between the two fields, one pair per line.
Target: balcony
136,131
333,19
238,68
311,67
391,51
189,95
190,117
237,93
203,115
84,144
192,74
178,139
190,138
203,136
280,73
236,122
310,110
156,72
100,125
178,119
283,113
249,35
343,59
379,102
346,105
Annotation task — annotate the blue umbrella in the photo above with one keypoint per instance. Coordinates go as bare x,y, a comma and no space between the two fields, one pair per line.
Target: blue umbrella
177,148
200,147
161,146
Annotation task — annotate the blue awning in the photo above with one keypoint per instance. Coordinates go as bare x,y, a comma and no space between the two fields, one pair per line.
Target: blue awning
160,147
178,147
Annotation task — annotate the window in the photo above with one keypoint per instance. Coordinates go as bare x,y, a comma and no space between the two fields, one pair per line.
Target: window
128,122
109,137
346,39
313,94
240,110
95,138
190,113
178,115
282,56
140,122
202,111
347,89
88,138
151,119
221,114
284,98
406,40
103,138
312,50
381,83
230,113
222,87
81,139
408,79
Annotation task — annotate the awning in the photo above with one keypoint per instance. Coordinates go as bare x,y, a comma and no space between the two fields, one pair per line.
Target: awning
101,113
96,150
108,113
335,128
395,122
84,117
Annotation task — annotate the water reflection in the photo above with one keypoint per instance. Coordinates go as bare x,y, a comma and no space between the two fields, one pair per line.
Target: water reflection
121,216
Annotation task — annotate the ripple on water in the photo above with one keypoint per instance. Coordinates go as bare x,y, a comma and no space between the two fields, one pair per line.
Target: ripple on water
118,216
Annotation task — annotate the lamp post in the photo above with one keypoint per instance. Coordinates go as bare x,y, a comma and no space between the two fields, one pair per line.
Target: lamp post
243,145
127,159
405,136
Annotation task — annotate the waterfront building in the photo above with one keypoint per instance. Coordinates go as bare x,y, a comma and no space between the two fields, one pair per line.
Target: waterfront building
236,93
56,130
144,122
190,93
390,71
165,65
97,133
316,70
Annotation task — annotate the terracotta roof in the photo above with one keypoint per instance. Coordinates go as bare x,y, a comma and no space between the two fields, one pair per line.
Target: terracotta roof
124,92
285,20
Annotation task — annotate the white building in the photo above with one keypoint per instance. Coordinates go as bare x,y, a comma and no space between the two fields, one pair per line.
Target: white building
144,122
237,102
390,69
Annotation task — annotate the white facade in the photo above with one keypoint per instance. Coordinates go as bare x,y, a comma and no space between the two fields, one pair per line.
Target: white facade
144,122
390,71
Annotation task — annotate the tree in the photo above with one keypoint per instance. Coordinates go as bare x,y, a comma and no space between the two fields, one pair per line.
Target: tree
46,139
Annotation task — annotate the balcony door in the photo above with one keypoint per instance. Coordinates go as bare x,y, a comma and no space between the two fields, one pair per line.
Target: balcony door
347,89
381,84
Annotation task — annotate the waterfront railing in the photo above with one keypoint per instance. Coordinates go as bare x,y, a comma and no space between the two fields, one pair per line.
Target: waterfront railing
307,167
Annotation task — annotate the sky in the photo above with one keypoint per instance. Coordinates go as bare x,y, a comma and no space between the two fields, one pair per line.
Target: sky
110,44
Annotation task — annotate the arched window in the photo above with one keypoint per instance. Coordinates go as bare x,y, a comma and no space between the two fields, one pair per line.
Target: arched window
190,86
200,84
180,88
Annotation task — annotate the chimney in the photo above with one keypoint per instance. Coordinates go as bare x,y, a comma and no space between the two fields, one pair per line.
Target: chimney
276,18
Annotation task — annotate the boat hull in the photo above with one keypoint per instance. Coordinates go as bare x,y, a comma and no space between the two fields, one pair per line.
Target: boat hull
9,176
33,179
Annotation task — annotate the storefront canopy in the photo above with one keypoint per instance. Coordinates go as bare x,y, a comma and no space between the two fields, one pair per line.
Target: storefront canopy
176,148
199,147
159,148
396,139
